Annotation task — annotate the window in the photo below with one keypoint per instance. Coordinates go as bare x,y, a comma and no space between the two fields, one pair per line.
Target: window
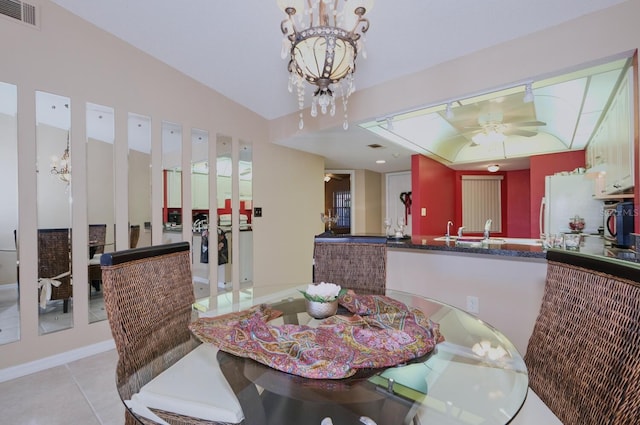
481,200
342,207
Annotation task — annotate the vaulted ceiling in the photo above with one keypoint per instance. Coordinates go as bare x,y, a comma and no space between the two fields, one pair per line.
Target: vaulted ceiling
233,47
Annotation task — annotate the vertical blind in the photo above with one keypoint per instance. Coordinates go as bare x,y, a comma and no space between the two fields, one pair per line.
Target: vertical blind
342,206
481,201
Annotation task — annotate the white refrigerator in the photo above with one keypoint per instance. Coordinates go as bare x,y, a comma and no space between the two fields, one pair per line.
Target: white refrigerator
565,197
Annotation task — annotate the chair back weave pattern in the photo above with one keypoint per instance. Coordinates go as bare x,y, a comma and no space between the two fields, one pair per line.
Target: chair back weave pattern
148,295
360,266
54,259
583,356
98,236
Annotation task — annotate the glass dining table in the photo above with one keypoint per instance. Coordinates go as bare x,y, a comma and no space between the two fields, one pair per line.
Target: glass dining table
475,376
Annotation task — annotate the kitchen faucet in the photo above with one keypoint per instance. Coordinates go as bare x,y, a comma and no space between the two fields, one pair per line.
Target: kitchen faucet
487,228
460,231
449,223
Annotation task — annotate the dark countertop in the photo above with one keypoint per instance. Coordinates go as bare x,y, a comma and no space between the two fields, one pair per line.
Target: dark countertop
429,243
502,249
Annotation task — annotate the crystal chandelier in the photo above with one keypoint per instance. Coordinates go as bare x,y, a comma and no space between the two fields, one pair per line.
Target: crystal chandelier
322,39
61,167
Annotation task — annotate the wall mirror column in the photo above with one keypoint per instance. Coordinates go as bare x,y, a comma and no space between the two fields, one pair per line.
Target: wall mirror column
223,206
100,199
172,178
245,242
55,290
9,308
139,158
200,209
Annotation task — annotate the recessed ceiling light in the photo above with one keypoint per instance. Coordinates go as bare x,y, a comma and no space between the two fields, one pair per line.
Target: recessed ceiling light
381,161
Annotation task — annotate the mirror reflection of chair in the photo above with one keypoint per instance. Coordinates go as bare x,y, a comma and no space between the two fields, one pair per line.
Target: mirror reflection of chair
15,239
54,266
134,235
97,240
163,370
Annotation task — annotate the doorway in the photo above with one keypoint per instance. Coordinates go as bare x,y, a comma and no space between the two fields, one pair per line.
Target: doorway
337,203
398,200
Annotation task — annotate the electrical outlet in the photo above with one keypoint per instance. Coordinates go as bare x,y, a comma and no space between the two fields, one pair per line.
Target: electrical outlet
473,304
423,212
257,211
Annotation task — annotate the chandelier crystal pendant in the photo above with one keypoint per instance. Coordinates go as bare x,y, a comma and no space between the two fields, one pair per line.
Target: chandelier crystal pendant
322,39
61,167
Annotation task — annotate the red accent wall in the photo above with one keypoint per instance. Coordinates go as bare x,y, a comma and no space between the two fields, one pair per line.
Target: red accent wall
458,220
433,188
541,166
518,203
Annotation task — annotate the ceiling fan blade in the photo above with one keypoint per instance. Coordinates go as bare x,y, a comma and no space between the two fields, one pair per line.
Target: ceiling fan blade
527,123
520,132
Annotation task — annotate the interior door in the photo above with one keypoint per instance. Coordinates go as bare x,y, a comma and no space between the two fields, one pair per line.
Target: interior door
398,200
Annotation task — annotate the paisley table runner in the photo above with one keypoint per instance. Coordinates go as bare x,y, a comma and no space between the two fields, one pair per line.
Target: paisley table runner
377,332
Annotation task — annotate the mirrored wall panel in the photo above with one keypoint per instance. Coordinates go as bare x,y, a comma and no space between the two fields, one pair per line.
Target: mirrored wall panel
9,307
172,180
245,244
202,241
54,180
100,124
139,158
224,168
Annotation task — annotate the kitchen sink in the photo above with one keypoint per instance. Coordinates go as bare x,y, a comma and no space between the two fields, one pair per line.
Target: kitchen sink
478,240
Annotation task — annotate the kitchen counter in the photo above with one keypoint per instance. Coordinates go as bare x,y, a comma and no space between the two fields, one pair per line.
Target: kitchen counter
528,247
512,247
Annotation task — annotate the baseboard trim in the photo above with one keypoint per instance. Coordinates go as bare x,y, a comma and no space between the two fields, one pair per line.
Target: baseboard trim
56,360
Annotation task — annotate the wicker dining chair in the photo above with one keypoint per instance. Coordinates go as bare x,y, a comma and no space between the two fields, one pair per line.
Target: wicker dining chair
148,295
54,262
355,264
583,356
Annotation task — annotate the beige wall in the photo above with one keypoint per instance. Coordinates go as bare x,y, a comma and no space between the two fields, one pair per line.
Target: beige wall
367,204
70,57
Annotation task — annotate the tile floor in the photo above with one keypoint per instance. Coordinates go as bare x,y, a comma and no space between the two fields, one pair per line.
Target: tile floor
80,392
51,319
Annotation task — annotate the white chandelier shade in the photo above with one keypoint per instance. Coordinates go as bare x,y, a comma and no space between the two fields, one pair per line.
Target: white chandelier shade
322,39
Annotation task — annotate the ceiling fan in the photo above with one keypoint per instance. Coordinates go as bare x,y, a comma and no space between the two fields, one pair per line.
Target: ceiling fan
331,176
492,127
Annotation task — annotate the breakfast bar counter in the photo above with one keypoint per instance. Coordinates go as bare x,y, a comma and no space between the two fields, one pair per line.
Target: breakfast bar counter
512,247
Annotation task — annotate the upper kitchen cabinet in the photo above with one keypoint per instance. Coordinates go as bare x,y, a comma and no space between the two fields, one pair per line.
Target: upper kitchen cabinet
610,152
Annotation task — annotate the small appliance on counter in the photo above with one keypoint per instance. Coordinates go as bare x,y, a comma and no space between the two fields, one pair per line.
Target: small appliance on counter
175,217
618,223
568,206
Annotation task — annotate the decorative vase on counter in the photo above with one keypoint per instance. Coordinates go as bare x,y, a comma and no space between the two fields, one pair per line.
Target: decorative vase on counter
321,310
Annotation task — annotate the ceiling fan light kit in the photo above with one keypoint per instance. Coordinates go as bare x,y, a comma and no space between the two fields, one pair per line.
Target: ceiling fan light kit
322,39
528,93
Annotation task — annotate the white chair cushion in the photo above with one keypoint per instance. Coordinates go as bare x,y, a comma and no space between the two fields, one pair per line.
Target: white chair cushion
535,412
95,260
194,386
